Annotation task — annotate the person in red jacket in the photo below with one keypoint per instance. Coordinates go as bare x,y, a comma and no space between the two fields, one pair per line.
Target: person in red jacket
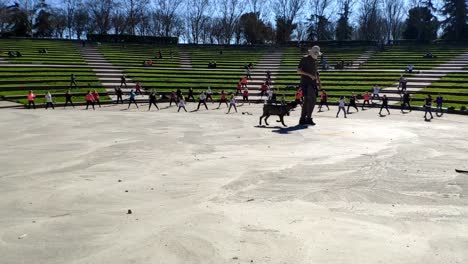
245,95
89,100
31,98
239,88
299,96
96,98
223,99
263,89
366,97
323,100
244,82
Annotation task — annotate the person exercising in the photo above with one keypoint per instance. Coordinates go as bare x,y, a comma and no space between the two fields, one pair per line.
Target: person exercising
308,70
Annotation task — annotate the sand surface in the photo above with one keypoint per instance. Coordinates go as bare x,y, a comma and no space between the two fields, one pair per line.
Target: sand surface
208,187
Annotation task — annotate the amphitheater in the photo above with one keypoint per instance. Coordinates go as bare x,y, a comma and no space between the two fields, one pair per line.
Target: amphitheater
137,186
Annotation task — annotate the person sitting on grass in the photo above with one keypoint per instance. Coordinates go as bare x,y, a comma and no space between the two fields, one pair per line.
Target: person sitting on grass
89,100
11,54
152,101
96,98
366,97
428,107
119,93
18,54
406,101
173,98
384,104
31,98
409,68
341,106
202,100
232,103
138,88
352,102
181,104
131,99
323,100
68,99
223,99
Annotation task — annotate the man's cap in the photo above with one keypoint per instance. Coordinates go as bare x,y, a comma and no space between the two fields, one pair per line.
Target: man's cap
315,51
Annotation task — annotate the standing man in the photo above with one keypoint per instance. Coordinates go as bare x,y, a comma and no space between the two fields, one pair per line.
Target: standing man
308,70
73,81
428,107
406,101
352,103
123,81
119,93
68,99
384,104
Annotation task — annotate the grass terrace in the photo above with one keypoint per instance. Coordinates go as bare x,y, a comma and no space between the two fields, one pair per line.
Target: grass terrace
15,82
453,87
59,52
231,58
333,55
398,57
136,54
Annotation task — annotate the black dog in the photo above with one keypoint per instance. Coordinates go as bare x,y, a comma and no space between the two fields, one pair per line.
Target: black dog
279,110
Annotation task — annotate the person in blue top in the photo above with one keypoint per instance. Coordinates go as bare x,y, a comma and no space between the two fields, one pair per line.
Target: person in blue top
132,99
439,101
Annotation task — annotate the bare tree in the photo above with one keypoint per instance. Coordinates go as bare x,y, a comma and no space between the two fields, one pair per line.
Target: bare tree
166,13
394,11
101,14
81,21
286,13
134,11
371,22
319,22
196,17
70,10
230,12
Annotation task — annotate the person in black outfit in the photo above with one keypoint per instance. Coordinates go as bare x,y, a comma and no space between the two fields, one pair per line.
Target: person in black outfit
119,94
68,99
152,101
428,107
73,80
384,104
190,94
352,102
179,94
406,101
309,84
160,54
123,81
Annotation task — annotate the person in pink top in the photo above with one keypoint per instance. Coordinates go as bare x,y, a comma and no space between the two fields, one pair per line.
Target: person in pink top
96,98
244,82
173,98
263,89
89,100
366,97
138,88
31,98
223,99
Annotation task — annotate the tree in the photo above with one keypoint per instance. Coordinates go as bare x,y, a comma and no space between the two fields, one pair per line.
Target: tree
455,24
343,30
196,19
371,22
135,10
166,13
43,26
253,29
18,20
70,12
100,15
421,24
319,25
286,13
81,21
59,23
394,11
230,13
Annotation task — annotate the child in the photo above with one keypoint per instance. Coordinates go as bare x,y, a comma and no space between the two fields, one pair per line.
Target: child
428,107
239,88
352,102
49,100
244,82
366,100
152,101
123,81
31,98
68,99
232,103
131,99
375,93
263,90
439,101
96,98
223,99
202,101
341,106
208,94
323,100
182,104
173,98
384,104
89,100
245,95
138,88
299,96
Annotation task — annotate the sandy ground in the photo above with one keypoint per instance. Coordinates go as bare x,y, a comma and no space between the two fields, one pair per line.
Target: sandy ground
208,187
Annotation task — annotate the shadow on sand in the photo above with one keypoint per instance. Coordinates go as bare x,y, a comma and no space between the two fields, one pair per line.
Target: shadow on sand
284,130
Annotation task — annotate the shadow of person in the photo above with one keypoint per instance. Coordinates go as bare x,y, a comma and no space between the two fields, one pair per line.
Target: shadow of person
288,130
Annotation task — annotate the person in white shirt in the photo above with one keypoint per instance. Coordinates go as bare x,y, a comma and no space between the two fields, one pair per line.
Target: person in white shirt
341,106
208,95
202,101
232,103
181,104
375,93
49,100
